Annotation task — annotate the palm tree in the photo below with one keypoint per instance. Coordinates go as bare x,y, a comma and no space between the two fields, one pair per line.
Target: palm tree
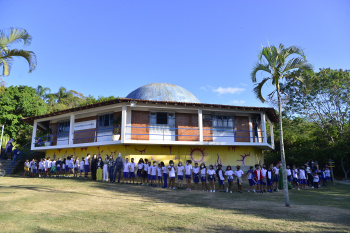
15,35
42,91
278,64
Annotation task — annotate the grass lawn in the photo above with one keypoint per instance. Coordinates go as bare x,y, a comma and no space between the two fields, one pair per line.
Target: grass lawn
73,205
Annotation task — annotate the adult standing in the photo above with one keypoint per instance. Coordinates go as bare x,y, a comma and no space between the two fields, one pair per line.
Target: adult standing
94,167
8,149
105,169
111,163
99,169
119,165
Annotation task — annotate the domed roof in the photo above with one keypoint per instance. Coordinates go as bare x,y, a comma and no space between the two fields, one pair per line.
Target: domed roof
163,92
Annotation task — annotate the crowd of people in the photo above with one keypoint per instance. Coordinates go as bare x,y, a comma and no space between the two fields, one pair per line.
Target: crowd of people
261,178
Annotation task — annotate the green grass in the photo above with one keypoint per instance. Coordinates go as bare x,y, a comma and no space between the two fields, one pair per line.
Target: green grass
73,205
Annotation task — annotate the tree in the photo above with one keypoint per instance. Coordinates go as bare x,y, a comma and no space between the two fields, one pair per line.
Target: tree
7,39
278,63
42,91
16,103
327,105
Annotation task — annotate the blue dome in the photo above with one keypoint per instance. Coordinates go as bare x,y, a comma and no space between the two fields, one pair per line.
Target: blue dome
163,92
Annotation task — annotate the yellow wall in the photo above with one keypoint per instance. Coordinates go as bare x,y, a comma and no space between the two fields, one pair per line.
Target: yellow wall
227,155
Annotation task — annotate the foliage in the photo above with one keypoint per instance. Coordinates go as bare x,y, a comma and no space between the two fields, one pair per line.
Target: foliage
7,55
5,139
16,103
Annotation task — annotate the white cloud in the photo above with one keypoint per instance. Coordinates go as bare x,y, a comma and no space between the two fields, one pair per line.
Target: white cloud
203,88
243,84
228,90
237,101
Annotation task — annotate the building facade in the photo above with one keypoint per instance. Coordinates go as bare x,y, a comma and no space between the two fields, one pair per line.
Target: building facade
160,122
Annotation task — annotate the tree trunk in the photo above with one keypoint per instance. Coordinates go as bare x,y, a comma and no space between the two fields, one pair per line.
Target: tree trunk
283,158
342,163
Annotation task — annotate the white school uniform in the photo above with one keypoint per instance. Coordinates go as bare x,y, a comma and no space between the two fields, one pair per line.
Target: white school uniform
154,170
239,173
164,170
229,175
82,163
41,167
221,174
145,167
86,161
289,173
126,167
263,172
180,170
139,165
49,164
211,172
295,173
159,171
195,170
302,174
132,167
149,170
316,178
171,172
188,169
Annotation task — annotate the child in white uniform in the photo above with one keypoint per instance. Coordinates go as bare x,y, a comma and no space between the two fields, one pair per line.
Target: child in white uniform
154,170
229,176
82,166
238,174
195,175
180,174
188,172
204,177
132,171
211,178
126,171
171,169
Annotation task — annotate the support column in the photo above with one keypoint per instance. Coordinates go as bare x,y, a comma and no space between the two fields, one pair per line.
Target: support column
71,129
251,129
34,135
123,126
200,124
263,127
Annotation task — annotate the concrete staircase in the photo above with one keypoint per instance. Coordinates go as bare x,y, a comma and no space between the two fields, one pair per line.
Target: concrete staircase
9,165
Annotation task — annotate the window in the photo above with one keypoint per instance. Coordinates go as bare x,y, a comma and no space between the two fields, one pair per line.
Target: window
223,122
105,120
63,128
162,118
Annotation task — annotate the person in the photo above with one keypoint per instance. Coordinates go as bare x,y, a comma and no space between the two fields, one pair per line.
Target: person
172,175
53,168
149,171
153,177
41,167
289,174
269,179
188,172
144,172
276,176
8,150
302,177
328,174
165,175
139,171
180,175
126,171
48,168
111,164
82,167
263,178
63,166
76,167
87,165
323,177
221,178
34,168
258,177
99,169
118,166
315,180
72,165
204,177
94,167
229,176
132,171
58,167
105,169
309,176
195,175
295,178
160,177
211,178
67,171
26,168
251,180
238,174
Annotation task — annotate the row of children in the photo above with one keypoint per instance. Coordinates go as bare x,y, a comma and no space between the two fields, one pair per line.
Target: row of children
304,176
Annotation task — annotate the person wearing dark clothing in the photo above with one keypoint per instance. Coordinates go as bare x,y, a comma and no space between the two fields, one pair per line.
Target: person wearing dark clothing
94,167
119,165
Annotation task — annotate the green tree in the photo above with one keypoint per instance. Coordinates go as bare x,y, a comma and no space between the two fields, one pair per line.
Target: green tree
7,55
16,103
278,63
43,91
327,105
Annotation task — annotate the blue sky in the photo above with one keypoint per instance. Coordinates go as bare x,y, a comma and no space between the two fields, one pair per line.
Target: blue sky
108,48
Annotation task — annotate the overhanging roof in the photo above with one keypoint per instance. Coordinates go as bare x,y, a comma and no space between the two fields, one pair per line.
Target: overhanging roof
270,112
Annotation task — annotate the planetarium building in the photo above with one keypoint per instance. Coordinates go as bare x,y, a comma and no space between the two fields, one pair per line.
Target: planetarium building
160,122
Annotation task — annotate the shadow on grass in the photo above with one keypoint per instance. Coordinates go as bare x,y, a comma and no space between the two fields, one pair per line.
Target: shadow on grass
310,205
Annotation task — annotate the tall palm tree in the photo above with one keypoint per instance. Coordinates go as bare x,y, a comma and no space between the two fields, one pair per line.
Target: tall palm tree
278,63
7,55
